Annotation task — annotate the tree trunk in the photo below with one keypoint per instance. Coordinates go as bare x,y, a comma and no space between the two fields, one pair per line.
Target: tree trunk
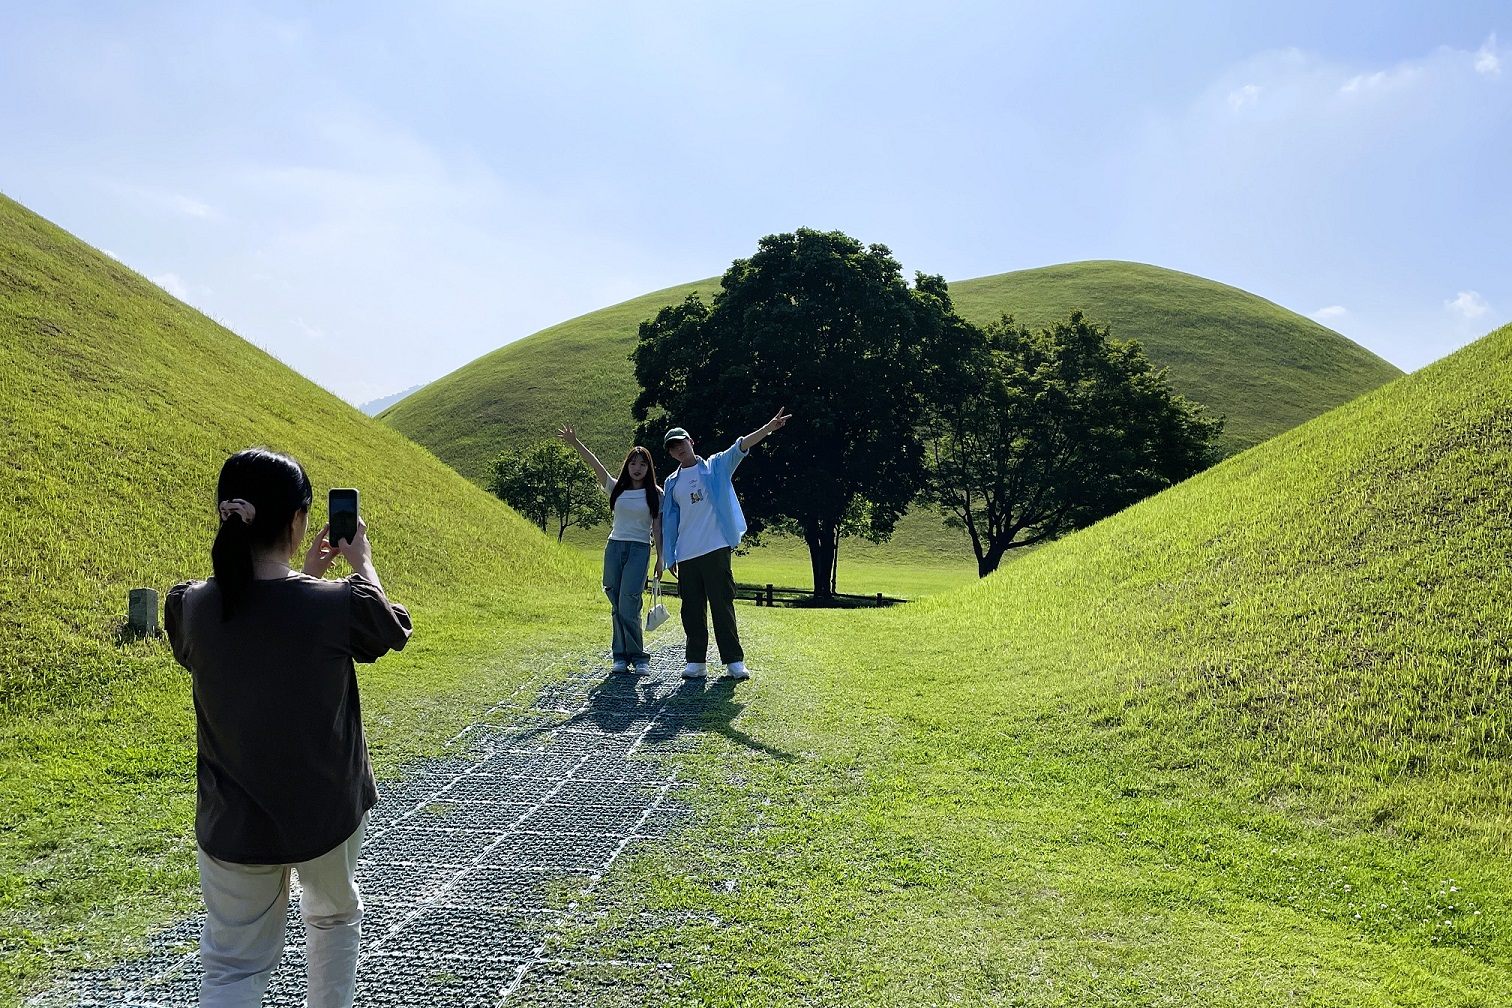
820,538
988,559
835,565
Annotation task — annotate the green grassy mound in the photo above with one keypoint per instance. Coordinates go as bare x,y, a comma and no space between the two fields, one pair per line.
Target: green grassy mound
1266,368
1246,743
117,407
578,371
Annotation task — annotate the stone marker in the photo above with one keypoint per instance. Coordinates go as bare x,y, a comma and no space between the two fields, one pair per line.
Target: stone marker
142,611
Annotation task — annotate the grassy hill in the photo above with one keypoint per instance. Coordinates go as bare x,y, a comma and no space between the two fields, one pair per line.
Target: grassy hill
1264,367
578,370
117,406
1246,743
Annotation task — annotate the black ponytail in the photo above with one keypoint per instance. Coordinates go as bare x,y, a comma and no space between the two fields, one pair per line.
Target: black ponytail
277,488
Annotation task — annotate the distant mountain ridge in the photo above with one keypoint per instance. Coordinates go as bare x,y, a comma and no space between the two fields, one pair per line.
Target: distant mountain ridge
375,406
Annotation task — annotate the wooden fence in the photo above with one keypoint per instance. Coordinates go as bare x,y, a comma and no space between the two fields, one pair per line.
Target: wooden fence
772,595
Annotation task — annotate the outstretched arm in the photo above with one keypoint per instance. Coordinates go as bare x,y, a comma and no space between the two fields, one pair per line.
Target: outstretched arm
770,427
568,434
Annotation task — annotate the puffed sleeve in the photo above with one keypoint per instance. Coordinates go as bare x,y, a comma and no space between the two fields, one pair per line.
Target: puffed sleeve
173,623
378,625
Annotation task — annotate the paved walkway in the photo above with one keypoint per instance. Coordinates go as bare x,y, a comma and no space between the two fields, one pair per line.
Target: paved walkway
473,865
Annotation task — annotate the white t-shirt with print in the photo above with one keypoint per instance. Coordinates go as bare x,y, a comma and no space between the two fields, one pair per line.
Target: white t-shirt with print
697,527
632,516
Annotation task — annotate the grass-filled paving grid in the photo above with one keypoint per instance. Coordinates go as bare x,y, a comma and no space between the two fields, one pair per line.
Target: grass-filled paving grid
471,912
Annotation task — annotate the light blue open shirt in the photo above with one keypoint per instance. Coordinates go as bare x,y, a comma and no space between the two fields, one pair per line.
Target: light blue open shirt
718,472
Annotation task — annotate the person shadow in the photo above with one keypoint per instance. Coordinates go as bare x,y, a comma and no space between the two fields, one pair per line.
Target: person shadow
696,708
623,703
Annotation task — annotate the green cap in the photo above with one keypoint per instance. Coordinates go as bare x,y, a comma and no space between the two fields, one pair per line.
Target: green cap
675,434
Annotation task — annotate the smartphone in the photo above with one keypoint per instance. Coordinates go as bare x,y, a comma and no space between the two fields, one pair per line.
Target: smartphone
342,508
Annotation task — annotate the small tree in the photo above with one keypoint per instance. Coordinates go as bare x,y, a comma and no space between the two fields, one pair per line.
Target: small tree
546,483
1055,430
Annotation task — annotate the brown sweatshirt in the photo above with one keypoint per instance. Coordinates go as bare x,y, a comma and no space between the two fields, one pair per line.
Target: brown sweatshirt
283,772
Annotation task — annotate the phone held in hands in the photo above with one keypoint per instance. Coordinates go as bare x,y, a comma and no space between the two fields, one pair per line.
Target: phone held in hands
342,508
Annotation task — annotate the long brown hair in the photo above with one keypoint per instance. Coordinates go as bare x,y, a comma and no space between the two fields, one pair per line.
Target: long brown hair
623,483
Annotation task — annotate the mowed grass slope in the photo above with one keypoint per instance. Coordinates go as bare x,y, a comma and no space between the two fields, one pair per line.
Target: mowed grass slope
117,406
1266,368
1246,743
578,371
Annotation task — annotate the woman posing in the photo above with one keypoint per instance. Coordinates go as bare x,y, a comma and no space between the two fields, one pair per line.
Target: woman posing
283,776
635,502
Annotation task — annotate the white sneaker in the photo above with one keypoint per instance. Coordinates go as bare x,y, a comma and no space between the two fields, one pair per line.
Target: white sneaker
619,666
642,668
737,670
696,670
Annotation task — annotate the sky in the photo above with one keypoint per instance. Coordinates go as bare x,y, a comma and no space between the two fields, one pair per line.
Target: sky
379,193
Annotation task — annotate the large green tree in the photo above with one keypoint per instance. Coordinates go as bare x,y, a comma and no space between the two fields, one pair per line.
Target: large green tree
828,327
1050,431
548,485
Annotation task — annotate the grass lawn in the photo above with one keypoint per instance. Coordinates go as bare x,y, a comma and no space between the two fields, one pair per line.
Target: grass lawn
923,558
1243,744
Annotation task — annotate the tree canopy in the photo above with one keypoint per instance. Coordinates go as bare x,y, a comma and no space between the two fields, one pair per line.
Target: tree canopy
1054,430
548,485
828,327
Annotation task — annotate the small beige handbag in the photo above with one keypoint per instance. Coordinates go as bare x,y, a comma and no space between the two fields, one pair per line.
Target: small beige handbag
658,613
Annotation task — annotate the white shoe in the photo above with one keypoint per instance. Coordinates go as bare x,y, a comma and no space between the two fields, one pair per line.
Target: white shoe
619,666
737,670
642,668
696,670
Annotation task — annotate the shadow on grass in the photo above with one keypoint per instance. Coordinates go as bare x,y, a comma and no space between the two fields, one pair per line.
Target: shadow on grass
126,633
618,704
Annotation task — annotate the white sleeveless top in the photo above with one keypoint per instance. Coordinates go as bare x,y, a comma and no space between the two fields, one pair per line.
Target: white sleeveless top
632,516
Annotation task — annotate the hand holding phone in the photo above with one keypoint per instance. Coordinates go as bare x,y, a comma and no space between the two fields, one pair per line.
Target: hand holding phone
342,506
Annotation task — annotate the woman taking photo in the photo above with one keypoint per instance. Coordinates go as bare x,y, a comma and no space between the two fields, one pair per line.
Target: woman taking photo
283,779
635,503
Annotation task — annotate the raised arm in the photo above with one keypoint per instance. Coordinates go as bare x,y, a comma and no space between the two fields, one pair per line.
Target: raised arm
568,434
772,426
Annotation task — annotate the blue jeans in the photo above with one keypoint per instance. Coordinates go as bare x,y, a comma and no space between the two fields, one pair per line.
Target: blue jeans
625,565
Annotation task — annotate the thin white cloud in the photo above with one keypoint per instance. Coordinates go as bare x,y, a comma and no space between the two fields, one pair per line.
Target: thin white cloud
310,332
191,207
1468,304
1488,59
1310,166
111,254
1399,77
163,200
173,284
1244,97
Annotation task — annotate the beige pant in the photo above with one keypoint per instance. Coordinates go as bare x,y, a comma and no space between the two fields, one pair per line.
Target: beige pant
246,908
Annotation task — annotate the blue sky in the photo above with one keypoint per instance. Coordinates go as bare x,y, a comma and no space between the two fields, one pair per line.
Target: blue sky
378,193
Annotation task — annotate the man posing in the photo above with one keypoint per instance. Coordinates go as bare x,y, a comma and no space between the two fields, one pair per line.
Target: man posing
701,526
